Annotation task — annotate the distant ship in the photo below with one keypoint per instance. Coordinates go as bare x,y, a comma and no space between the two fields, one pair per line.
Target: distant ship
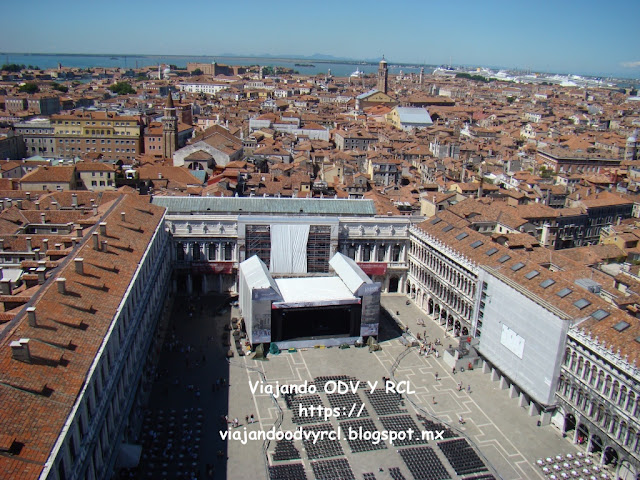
357,73
445,70
114,58
304,65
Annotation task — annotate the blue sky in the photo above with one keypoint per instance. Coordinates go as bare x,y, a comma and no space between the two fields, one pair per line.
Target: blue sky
557,36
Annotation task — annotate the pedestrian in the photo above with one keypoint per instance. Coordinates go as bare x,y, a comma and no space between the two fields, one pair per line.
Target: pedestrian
251,418
454,370
434,400
246,419
468,388
436,376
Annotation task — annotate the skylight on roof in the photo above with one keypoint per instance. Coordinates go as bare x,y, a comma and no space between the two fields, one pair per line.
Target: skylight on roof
600,314
462,235
532,274
564,292
491,251
621,327
504,258
581,303
477,244
547,283
435,221
447,228
517,266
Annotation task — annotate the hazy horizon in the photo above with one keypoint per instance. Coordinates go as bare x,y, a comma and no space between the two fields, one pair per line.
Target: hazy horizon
582,37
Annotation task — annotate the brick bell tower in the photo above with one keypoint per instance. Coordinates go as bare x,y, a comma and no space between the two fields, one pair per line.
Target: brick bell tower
169,129
383,76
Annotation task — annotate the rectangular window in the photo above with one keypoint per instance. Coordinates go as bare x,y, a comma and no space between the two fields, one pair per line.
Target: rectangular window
491,251
582,303
547,283
564,292
600,314
532,274
504,258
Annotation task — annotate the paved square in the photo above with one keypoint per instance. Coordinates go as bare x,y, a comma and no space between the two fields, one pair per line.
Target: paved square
194,373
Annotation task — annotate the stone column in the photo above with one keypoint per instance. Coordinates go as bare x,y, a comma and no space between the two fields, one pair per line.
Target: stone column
189,284
524,401
513,391
534,410
486,368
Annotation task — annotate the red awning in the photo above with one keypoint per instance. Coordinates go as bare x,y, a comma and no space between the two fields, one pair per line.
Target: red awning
212,267
373,268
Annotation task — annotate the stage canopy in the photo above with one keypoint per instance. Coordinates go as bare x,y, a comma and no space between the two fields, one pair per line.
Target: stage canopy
313,291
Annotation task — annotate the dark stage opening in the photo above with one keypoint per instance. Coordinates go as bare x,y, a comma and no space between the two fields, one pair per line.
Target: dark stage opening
315,322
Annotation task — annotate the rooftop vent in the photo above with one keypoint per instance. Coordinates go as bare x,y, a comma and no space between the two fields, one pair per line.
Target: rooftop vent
20,350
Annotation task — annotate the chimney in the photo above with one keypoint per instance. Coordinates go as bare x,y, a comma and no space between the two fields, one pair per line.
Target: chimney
104,245
5,286
45,245
19,203
159,175
36,251
78,229
43,218
1,204
79,262
103,228
29,245
96,241
95,209
37,204
54,205
28,194
74,200
41,272
62,285
58,246
20,350
8,201
31,316
123,217
1,244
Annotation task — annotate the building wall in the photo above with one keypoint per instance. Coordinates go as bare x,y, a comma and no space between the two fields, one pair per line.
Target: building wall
521,338
602,395
95,429
116,137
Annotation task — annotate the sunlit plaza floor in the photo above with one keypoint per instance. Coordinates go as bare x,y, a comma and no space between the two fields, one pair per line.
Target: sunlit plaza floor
194,360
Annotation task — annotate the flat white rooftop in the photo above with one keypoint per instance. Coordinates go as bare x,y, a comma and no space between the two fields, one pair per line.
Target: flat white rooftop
313,291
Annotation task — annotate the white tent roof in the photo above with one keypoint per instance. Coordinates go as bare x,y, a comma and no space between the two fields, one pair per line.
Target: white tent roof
349,271
256,274
314,291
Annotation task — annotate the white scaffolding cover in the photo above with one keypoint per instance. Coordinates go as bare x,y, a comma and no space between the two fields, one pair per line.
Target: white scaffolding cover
289,248
257,291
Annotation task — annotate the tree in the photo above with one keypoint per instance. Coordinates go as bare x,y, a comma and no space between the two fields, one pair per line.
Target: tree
59,87
197,71
12,67
29,87
122,88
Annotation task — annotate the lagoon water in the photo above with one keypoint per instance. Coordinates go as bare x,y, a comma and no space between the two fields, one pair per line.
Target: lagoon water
340,68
